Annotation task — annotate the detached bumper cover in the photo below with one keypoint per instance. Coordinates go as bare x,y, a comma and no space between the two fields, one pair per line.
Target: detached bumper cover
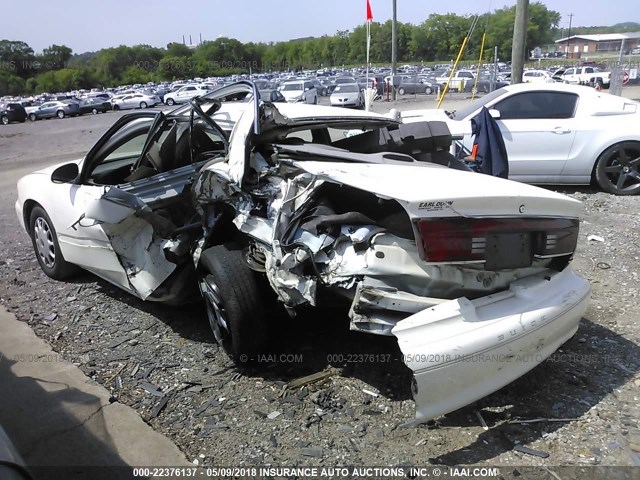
463,350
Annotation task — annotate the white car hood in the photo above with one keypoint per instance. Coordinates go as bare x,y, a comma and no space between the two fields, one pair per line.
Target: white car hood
431,190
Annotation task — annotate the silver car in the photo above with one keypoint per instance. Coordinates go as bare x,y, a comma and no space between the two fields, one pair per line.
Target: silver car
347,95
134,100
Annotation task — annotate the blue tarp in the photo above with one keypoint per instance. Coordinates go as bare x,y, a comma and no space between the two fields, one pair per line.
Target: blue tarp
490,151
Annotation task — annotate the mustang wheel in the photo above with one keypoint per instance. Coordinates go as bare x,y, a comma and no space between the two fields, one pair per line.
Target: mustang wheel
5,120
232,298
618,169
60,114
46,248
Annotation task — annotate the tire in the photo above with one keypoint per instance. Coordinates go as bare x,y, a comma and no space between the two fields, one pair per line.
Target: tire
5,120
45,245
60,114
171,102
401,91
232,297
116,108
315,100
143,105
428,90
617,169
32,117
94,111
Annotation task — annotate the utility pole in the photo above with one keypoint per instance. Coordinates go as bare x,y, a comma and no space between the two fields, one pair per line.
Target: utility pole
394,47
519,41
569,35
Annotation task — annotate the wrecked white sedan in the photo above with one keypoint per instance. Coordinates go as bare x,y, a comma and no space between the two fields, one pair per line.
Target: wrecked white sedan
471,273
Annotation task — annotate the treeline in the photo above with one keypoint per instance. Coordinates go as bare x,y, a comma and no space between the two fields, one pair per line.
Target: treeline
436,39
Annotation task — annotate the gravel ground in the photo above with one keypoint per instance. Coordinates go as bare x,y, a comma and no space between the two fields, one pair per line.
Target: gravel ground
163,361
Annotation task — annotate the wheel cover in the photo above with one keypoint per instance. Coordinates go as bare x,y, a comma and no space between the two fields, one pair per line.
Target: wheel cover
216,312
622,167
5,120
45,246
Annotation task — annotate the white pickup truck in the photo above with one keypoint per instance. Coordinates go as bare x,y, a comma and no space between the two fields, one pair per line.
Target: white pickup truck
584,76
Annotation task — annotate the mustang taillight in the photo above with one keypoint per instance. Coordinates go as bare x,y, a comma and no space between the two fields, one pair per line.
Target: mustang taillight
476,240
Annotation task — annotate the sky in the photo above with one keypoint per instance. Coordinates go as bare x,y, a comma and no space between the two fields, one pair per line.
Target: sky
89,26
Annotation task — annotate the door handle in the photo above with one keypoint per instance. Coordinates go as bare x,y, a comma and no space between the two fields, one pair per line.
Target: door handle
560,130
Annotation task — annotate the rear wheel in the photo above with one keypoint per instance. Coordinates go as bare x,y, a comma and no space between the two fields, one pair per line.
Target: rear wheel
232,298
401,91
33,117
46,247
170,102
94,111
428,90
143,104
116,108
618,169
5,120
60,114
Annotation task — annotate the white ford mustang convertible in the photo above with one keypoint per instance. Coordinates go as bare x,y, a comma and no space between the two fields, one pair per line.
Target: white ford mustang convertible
308,200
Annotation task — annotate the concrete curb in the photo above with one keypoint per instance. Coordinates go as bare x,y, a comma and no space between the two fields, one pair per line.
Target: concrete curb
58,417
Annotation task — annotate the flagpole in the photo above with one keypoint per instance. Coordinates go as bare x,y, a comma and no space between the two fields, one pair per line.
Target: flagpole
368,49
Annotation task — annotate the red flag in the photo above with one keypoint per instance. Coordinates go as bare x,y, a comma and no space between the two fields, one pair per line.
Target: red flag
369,12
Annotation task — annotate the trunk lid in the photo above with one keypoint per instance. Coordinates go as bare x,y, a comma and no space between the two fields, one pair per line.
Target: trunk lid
429,190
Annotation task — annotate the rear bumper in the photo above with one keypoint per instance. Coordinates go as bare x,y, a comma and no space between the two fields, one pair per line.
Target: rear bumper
462,350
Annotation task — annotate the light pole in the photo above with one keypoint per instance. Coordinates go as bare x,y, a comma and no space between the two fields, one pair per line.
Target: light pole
394,48
569,35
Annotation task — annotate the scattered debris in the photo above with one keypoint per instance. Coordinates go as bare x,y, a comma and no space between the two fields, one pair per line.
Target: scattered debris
595,238
312,452
159,407
152,389
51,317
481,420
540,420
274,415
314,377
530,451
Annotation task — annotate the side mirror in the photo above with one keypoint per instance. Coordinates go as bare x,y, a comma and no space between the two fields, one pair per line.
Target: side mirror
495,113
66,173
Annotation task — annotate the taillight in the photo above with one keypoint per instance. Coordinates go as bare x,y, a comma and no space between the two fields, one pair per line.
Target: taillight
486,240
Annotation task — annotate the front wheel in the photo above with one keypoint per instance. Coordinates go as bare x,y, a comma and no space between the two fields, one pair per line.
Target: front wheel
116,108
60,114
170,102
94,111
33,117
143,104
5,120
232,298
428,91
618,169
401,91
46,247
